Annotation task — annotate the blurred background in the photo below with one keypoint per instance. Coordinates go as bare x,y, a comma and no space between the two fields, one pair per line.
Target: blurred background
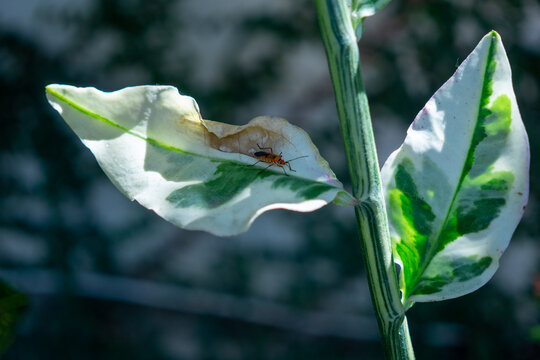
105,278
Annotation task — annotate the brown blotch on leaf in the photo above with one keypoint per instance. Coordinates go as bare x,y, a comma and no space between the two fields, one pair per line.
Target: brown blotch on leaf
245,139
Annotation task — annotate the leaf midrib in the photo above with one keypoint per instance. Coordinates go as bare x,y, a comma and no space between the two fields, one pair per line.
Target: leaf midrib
432,251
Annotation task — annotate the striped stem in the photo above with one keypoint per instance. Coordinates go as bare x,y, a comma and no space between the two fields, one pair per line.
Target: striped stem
353,111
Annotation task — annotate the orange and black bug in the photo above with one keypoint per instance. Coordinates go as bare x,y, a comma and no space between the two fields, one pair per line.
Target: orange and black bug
273,159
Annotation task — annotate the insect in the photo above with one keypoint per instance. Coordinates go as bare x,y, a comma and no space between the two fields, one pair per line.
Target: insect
273,159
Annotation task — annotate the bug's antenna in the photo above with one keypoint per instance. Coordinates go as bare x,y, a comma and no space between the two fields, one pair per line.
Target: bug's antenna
297,158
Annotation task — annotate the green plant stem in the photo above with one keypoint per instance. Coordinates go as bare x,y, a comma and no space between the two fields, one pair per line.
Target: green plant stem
353,110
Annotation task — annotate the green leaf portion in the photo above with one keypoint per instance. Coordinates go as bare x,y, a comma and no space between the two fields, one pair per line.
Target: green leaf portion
232,178
198,174
12,305
457,187
482,191
414,217
479,203
460,269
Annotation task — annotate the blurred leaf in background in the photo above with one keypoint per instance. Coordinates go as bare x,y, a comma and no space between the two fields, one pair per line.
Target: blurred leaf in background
12,305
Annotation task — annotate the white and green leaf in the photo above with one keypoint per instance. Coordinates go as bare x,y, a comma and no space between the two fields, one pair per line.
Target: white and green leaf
457,187
198,174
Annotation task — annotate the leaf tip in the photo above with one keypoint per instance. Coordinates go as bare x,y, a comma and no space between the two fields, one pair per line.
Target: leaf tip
494,36
52,88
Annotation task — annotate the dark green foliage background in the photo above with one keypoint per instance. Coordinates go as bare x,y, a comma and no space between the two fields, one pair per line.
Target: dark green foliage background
60,216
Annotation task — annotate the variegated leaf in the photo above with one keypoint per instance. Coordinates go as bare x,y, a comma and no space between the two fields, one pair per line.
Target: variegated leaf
457,187
198,174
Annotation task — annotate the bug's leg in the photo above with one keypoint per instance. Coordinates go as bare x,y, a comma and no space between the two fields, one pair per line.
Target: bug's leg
265,148
258,161
282,168
265,169
290,168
